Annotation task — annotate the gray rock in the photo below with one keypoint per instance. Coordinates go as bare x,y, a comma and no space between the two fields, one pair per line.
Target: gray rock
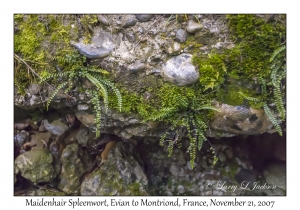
181,35
36,165
131,38
103,20
101,45
56,127
21,138
180,189
275,174
130,22
176,47
192,26
34,88
240,120
83,107
144,18
119,175
83,136
75,162
222,157
137,67
180,71
228,153
90,51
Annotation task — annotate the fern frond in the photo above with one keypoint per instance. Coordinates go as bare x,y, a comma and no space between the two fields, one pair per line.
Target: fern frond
114,89
207,106
278,99
97,108
161,114
101,88
102,71
276,52
249,98
272,119
54,93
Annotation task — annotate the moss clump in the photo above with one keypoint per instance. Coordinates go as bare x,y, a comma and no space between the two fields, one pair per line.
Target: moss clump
43,42
255,42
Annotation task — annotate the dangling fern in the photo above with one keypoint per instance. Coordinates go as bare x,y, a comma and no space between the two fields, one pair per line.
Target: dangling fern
95,76
277,74
272,118
193,125
276,52
54,93
249,98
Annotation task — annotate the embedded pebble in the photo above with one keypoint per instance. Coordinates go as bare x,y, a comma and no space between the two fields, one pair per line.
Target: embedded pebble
143,18
130,22
131,38
181,35
137,67
103,20
91,52
193,27
229,154
82,107
180,70
176,47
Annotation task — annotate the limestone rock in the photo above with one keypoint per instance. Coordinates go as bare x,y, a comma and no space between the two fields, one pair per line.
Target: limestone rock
144,18
75,162
181,35
121,174
193,27
180,71
240,120
36,165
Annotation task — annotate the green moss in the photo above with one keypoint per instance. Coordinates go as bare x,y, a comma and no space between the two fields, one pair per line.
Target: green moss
43,42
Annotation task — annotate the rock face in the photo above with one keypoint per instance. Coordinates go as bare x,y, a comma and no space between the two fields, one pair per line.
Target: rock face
275,174
36,165
240,120
120,175
75,162
180,71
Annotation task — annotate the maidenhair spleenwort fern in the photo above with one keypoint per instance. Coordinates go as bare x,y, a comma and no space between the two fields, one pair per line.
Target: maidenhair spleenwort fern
102,88
278,73
191,124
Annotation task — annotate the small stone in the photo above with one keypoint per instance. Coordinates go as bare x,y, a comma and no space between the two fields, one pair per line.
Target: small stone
176,47
222,157
193,27
82,107
137,67
229,153
143,18
103,20
227,169
130,22
131,38
180,189
34,89
181,35
91,52
180,70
